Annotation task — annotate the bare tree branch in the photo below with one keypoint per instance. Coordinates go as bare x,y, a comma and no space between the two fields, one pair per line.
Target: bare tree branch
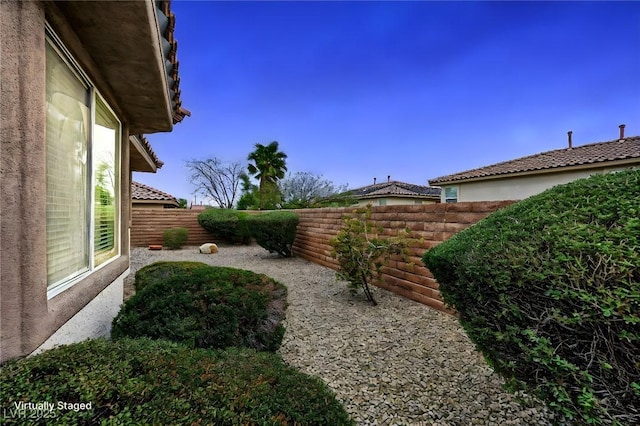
303,189
216,180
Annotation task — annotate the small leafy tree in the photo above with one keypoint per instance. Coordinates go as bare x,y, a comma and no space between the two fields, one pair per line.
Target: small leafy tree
361,253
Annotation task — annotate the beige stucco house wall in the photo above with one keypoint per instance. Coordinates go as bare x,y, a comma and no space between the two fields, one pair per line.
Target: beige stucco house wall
521,178
393,201
519,187
115,48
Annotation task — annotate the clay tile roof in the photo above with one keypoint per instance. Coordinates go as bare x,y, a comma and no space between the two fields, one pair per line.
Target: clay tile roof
396,188
595,153
142,192
145,143
164,7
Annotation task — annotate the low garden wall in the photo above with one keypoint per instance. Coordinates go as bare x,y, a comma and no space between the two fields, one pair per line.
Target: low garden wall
148,225
430,224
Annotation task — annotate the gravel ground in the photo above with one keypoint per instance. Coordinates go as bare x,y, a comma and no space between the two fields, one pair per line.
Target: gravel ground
398,363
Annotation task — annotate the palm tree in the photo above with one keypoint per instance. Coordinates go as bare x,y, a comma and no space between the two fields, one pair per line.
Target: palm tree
268,167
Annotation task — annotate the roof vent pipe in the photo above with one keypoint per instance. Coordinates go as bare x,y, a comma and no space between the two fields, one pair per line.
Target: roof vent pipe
388,178
621,127
569,133
374,181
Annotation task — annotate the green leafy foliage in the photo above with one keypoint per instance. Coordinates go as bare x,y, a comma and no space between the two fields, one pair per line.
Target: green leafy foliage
206,307
549,290
175,238
141,381
228,224
268,165
361,252
159,271
274,231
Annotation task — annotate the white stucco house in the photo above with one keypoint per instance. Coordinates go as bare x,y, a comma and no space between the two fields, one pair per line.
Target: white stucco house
523,177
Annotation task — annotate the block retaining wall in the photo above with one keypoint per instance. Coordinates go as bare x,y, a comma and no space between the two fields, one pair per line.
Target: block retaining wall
148,225
430,224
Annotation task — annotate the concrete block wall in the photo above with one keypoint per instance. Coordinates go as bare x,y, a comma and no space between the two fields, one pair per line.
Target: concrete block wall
429,225
148,225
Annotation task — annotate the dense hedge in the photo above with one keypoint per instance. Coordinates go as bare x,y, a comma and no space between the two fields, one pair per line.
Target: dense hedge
549,291
163,270
175,238
206,307
274,231
141,381
228,224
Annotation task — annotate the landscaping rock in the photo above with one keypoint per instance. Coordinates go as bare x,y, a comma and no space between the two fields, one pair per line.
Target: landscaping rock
208,248
399,363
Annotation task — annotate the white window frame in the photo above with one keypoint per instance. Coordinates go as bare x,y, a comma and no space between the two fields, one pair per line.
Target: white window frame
448,198
55,288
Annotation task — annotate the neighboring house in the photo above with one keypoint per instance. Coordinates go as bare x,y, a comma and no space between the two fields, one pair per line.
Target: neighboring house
144,196
393,192
523,177
79,80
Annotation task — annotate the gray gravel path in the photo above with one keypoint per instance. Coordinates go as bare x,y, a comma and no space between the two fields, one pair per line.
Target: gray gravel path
398,363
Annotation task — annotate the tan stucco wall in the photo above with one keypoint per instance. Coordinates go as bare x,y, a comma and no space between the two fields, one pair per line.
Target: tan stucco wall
27,317
393,201
520,187
94,320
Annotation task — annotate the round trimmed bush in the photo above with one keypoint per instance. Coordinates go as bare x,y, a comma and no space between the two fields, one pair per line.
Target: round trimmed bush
206,307
549,290
163,270
175,238
141,381
228,224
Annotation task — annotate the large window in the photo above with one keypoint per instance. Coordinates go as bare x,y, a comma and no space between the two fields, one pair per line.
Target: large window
82,164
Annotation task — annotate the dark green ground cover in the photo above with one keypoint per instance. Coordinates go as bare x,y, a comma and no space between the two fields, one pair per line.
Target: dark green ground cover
148,382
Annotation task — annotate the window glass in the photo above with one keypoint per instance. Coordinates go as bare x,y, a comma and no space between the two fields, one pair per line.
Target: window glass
82,168
67,135
105,150
451,194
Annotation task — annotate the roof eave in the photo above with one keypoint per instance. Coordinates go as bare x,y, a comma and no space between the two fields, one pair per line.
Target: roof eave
586,166
148,201
111,31
141,158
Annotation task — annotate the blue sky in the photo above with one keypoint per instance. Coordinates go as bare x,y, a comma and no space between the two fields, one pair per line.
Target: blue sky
415,90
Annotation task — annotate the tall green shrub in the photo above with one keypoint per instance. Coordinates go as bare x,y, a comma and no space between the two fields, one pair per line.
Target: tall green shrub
175,238
230,225
206,307
274,231
146,382
549,290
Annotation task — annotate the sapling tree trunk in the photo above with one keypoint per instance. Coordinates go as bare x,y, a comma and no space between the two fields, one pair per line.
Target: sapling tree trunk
361,253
